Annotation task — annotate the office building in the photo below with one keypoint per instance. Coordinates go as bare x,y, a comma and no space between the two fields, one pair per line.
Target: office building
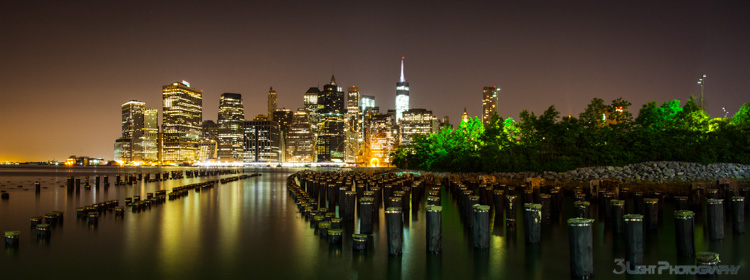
330,146
272,103
138,142
402,94
300,140
231,130
489,103
263,142
181,125
416,122
381,138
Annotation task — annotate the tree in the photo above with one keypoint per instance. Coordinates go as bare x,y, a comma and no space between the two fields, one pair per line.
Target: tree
742,117
594,115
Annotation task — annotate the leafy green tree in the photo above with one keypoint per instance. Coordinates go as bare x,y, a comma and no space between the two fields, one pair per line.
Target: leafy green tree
742,117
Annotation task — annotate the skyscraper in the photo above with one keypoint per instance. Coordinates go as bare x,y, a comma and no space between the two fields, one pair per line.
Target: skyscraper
139,133
367,101
149,139
300,141
182,114
311,105
330,143
402,94
381,138
416,122
209,143
354,124
263,142
231,131
489,103
272,103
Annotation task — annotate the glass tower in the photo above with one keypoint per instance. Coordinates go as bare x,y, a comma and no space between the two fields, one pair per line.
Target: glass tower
231,131
182,114
489,103
402,94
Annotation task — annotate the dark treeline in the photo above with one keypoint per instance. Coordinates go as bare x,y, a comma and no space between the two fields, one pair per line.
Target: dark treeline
601,135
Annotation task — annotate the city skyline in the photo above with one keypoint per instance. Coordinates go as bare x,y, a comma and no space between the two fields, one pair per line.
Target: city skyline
91,62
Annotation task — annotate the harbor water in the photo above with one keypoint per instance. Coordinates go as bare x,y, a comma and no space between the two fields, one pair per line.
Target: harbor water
251,228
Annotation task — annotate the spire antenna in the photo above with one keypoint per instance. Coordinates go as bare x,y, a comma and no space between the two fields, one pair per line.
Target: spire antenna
402,70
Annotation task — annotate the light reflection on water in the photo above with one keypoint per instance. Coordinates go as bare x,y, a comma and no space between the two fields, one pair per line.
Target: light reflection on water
251,228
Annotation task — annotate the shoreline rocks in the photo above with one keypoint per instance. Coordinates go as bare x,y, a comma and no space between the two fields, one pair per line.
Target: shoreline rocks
658,172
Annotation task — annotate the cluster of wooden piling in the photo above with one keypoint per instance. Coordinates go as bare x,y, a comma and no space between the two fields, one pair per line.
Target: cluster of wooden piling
647,214
318,195
329,201
43,225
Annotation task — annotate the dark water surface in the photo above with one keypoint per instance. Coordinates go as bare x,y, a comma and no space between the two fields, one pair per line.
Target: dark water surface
251,229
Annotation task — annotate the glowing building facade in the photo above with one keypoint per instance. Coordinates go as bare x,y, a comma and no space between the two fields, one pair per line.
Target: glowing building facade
311,105
300,141
489,103
381,138
182,116
402,94
416,122
263,142
330,146
354,131
230,127
140,131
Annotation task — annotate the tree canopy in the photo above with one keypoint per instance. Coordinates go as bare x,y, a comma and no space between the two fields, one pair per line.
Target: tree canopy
604,134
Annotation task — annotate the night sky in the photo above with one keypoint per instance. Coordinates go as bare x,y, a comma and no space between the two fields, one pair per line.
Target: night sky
67,66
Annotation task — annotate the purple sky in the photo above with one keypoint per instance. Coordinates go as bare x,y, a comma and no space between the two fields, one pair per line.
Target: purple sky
67,66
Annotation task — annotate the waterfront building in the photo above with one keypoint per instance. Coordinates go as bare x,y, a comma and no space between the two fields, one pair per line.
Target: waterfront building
138,141
181,126
381,138
272,103
311,105
230,126
353,129
402,94
284,117
300,140
210,130
263,142
209,144
416,122
123,151
489,103
330,146
207,150
148,140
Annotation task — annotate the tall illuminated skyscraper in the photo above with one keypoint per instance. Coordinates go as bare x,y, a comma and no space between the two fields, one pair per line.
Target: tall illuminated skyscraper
149,138
311,105
353,120
139,133
231,127
402,94
367,101
182,114
300,141
489,103
330,142
272,103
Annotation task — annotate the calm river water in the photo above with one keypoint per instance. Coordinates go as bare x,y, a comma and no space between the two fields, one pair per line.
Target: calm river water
252,229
